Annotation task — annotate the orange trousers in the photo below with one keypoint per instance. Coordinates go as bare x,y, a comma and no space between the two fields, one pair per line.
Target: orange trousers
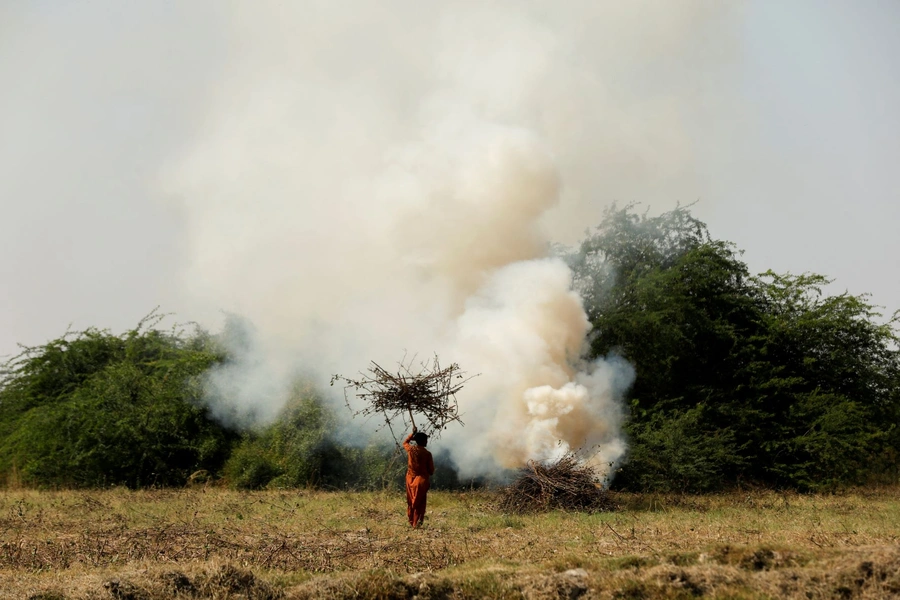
416,497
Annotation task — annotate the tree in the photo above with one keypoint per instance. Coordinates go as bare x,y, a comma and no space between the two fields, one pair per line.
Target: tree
95,409
301,449
739,378
827,371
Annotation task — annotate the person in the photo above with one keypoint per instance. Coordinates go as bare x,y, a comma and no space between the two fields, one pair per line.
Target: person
418,476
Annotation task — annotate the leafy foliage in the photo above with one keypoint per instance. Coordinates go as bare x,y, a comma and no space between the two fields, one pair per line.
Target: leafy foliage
758,379
95,409
303,448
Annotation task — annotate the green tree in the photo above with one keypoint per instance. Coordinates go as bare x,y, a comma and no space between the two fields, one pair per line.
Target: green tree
96,409
303,448
827,373
739,378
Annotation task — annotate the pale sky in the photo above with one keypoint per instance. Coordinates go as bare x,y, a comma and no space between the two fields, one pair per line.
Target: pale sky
794,134
809,180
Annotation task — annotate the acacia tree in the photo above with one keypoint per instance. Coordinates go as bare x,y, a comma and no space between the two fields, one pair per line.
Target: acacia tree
739,378
94,409
827,371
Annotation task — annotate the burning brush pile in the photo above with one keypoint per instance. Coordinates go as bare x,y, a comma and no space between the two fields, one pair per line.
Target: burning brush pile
565,484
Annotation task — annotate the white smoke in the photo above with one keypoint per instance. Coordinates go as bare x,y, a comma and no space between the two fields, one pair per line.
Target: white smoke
382,178
535,398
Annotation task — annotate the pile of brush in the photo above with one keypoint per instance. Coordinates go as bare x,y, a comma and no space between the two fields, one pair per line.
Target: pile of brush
564,484
429,390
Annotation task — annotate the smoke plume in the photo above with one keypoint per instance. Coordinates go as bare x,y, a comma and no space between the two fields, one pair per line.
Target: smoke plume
376,180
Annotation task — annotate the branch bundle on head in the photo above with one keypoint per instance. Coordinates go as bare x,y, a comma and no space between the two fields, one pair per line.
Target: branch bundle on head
429,391
565,484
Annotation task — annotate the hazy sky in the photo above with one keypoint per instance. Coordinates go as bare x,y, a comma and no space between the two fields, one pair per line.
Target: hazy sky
788,134
804,175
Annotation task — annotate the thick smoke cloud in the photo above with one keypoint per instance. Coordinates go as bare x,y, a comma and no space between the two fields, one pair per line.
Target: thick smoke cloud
385,181
353,177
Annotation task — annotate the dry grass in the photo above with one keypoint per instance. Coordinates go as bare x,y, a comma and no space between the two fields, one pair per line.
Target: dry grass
212,543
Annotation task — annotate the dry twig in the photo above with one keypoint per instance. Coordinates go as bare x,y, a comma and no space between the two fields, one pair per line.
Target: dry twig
565,484
428,390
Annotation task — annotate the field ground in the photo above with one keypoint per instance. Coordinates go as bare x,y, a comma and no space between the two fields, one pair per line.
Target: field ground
215,543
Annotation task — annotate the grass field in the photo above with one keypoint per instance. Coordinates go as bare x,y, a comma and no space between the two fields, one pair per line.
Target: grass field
215,543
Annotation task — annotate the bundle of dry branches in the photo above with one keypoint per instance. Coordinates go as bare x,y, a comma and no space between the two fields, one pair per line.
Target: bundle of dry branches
428,390
565,484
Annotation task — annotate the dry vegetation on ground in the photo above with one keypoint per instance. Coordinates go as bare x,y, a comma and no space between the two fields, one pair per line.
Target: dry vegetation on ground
213,543
565,484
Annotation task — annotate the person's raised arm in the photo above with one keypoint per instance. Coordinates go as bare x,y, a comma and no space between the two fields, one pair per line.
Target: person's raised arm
406,444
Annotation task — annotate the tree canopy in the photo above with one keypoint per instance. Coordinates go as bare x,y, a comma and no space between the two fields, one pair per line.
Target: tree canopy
740,379
95,409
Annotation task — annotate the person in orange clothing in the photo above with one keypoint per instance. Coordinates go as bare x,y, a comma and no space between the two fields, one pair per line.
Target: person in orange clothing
418,476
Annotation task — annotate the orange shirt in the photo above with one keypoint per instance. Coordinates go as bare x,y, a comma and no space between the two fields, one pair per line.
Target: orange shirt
420,462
